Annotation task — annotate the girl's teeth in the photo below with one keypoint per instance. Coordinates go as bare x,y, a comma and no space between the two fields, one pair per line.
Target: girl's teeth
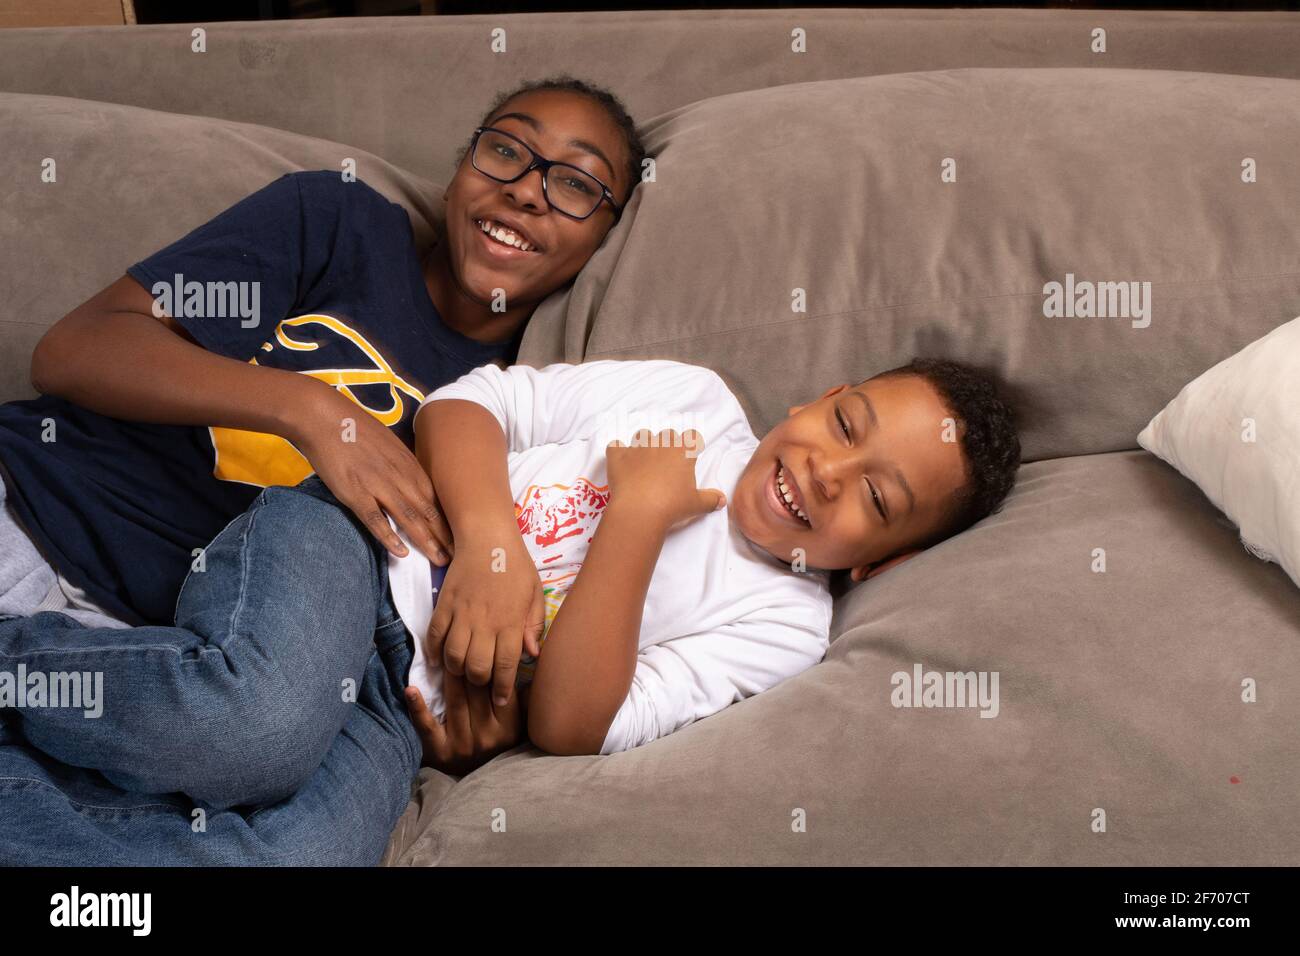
503,235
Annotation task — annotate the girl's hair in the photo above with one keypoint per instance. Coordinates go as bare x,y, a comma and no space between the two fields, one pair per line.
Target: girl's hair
612,105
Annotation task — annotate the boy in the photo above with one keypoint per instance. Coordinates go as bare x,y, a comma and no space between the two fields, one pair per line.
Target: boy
654,619
266,693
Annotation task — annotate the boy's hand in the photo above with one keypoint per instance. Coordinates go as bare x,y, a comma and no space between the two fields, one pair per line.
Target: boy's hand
474,730
491,606
657,474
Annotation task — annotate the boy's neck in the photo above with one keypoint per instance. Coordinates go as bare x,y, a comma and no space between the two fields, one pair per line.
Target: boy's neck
461,313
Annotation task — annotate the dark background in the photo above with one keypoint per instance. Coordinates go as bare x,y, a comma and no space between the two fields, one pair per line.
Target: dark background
192,11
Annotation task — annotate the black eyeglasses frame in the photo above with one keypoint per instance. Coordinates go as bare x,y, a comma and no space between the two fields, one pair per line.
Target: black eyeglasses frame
541,163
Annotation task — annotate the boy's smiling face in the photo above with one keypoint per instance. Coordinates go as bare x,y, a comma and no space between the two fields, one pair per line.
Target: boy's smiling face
866,464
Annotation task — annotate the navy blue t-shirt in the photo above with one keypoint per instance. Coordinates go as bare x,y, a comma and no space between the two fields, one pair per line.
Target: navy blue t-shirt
118,507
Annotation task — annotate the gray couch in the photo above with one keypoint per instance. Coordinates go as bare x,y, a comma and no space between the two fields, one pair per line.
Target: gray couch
1119,691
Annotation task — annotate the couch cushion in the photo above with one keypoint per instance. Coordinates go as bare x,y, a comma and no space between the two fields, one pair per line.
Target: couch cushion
1234,432
835,188
130,181
397,85
1119,690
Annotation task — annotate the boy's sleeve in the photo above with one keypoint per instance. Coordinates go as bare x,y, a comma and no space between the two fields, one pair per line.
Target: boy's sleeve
688,678
610,399
259,244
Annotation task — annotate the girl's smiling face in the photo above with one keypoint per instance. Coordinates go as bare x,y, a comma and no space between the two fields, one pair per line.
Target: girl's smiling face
558,125
867,466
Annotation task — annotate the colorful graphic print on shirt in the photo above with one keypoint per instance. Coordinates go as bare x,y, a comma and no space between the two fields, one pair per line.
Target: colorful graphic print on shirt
557,523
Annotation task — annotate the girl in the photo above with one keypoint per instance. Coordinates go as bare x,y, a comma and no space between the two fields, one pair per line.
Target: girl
105,522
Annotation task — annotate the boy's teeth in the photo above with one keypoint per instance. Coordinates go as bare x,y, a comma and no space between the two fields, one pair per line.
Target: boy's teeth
785,493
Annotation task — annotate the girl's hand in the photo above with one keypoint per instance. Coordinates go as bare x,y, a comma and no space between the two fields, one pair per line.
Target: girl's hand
375,475
490,607
474,730
656,474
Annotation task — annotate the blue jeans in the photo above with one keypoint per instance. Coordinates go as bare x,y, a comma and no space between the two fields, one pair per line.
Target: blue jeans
268,726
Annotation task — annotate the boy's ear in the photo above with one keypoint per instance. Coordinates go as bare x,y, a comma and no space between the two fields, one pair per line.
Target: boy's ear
865,571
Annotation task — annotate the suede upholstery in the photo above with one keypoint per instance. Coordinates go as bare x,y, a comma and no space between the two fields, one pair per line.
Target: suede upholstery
1119,691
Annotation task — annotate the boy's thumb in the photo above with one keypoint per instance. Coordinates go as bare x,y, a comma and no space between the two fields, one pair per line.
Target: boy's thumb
713,499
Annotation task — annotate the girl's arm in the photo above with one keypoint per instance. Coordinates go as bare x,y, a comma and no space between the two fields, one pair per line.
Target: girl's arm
111,355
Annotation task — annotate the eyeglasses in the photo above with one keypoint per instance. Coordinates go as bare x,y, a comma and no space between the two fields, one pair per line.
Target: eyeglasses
568,190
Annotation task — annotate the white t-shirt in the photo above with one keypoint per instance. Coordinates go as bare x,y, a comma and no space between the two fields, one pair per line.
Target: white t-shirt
723,619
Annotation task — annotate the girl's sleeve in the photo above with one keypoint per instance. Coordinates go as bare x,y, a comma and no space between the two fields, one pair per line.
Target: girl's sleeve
604,399
688,678
264,255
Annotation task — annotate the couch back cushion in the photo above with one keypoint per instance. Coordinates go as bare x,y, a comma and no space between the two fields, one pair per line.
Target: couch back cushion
127,182
410,88
925,213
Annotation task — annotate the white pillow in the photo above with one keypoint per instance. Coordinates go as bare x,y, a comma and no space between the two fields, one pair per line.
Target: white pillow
1204,433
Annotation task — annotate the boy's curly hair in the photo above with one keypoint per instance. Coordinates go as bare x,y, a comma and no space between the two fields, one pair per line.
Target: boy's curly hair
989,441
568,84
